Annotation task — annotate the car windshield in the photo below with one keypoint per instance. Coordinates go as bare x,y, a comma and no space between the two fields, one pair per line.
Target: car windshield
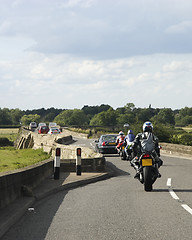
109,138
42,124
54,129
52,124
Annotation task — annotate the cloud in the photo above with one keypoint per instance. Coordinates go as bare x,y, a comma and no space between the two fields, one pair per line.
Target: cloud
89,28
76,3
92,52
178,66
180,28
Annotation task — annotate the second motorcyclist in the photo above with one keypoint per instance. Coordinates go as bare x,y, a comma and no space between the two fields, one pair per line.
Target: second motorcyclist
120,141
128,142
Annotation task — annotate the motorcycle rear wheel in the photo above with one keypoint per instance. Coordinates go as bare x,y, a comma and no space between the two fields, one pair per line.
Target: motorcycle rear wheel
123,156
147,179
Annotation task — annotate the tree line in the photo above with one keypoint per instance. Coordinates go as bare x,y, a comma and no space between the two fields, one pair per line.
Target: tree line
103,115
165,120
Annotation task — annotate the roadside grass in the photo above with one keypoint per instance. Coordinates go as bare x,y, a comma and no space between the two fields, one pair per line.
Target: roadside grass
11,159
10,133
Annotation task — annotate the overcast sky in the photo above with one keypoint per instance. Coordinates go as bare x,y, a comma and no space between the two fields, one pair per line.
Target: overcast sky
71,53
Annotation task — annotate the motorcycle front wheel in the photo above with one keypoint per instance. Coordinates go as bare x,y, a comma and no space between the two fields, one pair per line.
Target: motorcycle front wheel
147,179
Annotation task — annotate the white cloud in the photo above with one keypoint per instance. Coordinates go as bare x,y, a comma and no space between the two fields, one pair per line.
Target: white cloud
85,52
180,28
178,66
76,81
81,3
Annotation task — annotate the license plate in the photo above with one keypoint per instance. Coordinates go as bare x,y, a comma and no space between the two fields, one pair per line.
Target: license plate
111,143
147,162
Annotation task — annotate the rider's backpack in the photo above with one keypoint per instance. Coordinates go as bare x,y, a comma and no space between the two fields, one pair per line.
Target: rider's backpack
147,142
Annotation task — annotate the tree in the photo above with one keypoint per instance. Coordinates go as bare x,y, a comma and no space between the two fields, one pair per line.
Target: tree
5,117
108,118
16,115
90,111
143,115
126,118
129,107
26,119
165,116
49,117
185,112
184,117
72,117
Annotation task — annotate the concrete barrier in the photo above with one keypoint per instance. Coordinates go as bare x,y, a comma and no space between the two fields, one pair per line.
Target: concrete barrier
176,149
87,165
20,183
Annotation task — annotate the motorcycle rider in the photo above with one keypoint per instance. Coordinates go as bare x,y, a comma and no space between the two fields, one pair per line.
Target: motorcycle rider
120,140
130,136
146,141
128,142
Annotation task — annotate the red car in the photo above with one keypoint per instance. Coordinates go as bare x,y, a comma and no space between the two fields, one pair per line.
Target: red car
43,130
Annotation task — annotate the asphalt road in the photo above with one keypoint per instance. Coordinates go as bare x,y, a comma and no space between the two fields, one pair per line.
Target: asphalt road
117,208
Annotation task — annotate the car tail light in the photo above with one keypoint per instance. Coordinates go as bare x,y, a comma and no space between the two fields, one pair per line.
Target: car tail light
103,144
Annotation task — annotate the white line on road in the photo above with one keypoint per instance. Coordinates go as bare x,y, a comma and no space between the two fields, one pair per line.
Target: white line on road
173,194
185,206
169,182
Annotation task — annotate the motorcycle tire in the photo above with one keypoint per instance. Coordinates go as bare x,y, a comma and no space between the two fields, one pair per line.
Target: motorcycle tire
147,179
123,156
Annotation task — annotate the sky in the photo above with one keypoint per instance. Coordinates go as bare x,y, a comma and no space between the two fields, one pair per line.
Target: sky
70,53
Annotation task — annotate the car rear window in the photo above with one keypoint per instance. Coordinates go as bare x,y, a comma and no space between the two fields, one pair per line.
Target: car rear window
109,138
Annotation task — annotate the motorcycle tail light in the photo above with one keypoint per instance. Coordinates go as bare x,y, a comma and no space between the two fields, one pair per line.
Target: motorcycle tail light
146,156
103,144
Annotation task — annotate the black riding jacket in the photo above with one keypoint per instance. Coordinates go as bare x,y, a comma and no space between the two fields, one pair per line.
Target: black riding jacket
137,146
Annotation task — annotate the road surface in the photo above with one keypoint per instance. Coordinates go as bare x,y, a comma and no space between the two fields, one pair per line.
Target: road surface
117,208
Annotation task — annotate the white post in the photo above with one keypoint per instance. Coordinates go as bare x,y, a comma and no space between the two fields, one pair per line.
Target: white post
78,162
57,163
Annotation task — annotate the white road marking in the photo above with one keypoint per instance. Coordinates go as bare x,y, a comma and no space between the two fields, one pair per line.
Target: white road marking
172,193
169,182
187,208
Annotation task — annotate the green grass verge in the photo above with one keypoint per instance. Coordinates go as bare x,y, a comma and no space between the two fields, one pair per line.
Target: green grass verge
11,159
9,133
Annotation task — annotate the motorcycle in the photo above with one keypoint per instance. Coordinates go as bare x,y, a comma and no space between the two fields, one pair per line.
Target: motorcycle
129,151
148,170
122,152
120,149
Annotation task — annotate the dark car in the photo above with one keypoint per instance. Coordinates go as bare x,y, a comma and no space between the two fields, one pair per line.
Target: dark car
107,143
43,129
